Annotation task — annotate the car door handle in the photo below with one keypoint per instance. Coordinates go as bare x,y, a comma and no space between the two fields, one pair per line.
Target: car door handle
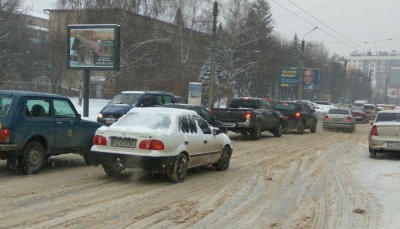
205,142
59,123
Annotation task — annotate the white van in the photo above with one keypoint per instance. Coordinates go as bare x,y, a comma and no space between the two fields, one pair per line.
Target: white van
360,103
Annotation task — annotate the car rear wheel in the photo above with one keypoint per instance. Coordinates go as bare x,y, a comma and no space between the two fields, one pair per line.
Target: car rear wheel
112,170
278,131
313,128
32,158
256,133
300,128
179,170
223,162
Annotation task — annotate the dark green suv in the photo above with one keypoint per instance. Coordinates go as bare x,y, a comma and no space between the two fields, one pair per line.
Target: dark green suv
35,126
297,116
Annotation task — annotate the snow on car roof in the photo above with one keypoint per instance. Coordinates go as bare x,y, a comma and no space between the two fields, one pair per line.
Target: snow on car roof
163,110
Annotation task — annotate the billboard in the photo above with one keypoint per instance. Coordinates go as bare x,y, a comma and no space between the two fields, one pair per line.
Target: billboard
310,79
288,77
93,47
194,95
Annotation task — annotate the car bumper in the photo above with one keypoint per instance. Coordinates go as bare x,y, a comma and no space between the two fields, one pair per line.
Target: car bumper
384,145
6,147
327,125
132,161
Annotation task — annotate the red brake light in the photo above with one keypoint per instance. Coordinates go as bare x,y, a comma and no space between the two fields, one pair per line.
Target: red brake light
297,116
247,115
326,118
99,140
348,119
151,144
5,135
246,98
374,131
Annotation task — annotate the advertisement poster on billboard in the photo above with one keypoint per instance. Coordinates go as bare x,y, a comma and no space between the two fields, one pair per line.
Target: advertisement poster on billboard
310,79
93,47
288,77
194,95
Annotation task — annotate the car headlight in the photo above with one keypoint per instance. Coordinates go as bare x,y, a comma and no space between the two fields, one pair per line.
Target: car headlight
99,115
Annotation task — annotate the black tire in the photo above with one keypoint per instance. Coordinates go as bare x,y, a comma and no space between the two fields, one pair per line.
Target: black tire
112,170
86,158
278,131
300,128
313,128
256,132
179,170
32,158
372,154
223,162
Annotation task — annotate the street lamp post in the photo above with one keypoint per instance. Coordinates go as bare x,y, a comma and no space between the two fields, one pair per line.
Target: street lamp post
300,89
213,57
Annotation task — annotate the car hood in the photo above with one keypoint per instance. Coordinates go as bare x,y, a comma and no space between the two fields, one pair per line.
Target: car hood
116,109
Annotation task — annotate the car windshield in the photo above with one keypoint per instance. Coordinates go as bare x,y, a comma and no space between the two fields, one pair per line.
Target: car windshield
144,120
388,117
125,98
338,111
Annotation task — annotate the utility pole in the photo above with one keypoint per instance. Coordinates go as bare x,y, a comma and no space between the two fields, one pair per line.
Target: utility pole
344,82
387,97
300,86
213,57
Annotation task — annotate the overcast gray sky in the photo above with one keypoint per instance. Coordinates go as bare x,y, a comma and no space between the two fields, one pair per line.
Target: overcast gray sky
344,26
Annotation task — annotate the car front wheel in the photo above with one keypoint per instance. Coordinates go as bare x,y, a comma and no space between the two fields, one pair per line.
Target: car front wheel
179,170
223,162
32,158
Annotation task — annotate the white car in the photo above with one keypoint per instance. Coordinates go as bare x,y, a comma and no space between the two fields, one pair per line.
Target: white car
160,140
384,134
321,110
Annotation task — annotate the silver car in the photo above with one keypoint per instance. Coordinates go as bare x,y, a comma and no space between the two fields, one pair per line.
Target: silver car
385,133
339,118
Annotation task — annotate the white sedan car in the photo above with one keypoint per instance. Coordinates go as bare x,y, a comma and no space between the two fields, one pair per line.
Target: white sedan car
160,140
384,135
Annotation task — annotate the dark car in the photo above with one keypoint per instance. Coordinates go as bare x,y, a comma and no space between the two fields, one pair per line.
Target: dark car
359,114
35,126
297,116
126,100
202,111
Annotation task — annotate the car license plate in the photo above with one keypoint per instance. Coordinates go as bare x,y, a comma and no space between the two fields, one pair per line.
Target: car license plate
123,142
110,120
229,123
393,144
337,119
285,117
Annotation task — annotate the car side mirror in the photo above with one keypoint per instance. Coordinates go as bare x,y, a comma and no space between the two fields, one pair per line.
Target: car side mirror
216,131
79,116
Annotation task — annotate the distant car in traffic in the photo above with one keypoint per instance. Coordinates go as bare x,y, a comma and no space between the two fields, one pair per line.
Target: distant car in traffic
339,118
200,110
161,140
297,116
384,133
360,115
370,110
126,100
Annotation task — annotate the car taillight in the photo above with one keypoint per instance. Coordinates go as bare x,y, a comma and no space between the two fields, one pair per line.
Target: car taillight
5,135
297,116
374,131
151,144
99,140
326,118
348,119
247,115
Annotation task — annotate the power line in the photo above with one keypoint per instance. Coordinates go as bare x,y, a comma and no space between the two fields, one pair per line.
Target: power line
327,25
315,26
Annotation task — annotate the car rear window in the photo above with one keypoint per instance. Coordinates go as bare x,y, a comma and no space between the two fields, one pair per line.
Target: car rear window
338,111
369,107
4,105
388,117
243,103
285,106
